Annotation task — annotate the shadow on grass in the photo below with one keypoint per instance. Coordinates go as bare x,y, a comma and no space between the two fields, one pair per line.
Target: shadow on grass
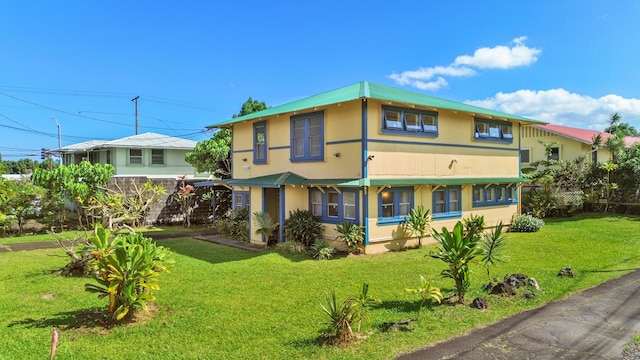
83,319
207,251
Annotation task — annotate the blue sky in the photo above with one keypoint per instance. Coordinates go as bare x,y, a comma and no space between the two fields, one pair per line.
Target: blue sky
193,63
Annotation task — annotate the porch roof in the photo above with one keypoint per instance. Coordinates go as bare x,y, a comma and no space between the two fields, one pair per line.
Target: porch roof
289,178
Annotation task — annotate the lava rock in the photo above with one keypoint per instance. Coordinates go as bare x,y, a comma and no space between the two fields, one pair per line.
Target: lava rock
566,272
502,289
480,303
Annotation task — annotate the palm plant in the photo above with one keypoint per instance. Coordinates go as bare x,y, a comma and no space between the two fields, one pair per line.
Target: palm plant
418,222
266,226
490,248
457,250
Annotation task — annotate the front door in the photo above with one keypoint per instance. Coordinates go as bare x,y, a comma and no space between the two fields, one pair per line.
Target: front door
271,206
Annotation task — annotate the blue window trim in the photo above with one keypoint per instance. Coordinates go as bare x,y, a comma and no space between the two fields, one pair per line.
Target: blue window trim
256,158
403,128
506,138
397,218
447,214
307,157
325,218
245,199
494,190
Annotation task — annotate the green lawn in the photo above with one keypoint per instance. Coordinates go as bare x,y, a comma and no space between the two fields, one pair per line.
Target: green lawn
165,230
225,303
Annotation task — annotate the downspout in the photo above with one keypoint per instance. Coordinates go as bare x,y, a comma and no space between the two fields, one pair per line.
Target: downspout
281,211
365,171
519,189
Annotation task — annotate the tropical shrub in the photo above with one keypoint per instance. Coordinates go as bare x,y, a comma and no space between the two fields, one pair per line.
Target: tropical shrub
474,224
236,226
457,249
351,234
265,225
291,247
490,248
418,222
302,227
541,203
321,250
426,292
126,270
526,223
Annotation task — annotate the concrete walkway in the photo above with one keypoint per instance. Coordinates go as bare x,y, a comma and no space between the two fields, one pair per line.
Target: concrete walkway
593,324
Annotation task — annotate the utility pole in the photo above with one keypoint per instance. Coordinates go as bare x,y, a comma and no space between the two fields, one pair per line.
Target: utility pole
136,101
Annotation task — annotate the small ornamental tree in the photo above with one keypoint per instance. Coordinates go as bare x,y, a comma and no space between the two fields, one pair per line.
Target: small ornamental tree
418,222
457,249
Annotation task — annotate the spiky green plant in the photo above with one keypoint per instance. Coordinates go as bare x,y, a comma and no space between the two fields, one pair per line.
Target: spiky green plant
490,248
351,234
340,318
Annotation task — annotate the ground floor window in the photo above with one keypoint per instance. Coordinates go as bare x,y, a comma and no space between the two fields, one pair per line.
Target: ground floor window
447,202
240,200
394,205
484,195
334,206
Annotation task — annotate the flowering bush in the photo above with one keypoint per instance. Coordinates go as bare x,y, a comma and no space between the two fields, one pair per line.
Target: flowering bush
526,223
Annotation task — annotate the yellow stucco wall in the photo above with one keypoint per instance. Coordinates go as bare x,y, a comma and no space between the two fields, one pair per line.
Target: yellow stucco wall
342,136
405,156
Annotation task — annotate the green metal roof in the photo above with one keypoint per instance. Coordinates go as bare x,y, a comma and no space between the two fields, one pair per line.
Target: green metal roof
365,89
289,178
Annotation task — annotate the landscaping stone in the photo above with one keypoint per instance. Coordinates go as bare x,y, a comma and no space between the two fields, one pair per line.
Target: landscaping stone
480,303
566,272
534,283
516,280
502,289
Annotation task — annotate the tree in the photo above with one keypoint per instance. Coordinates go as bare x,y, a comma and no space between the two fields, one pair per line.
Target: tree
122,207
251,106
213,155
21,201
625,128
76,182
613,121
418,222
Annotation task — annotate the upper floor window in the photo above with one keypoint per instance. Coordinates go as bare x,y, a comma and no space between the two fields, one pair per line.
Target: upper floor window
554,153
525,156
490,130
135,156
494,195
157,157
409,121
447,202
332,206
394,205
307,137
260,142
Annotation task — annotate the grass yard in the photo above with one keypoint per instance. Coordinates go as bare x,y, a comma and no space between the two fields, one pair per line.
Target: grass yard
70,235
226,303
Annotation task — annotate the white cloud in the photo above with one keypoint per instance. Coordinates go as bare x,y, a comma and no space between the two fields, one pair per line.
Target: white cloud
499,57
561,107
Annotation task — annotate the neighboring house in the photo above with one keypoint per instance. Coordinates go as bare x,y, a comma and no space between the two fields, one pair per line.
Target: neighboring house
369,153
151,155
567,143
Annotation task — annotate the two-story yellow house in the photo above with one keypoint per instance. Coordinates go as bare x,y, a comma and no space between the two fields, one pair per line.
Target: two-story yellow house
369,153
